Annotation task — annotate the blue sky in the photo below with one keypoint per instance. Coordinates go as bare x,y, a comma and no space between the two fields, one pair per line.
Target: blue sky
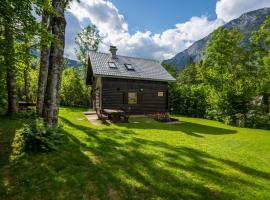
156,29
149,14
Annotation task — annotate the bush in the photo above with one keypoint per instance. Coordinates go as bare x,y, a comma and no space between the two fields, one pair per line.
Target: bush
74,91
187,100
257,119
37,137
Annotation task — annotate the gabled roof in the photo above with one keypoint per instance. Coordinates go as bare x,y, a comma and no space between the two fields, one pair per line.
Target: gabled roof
144,69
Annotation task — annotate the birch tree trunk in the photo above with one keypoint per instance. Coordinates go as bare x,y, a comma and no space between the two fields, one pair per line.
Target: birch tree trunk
44,64
52,94
11,75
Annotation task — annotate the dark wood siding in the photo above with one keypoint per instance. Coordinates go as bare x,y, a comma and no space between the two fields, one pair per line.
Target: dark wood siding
115,94
96,94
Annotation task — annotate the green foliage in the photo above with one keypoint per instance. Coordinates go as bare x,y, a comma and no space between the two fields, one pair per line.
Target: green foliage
74,91
187,95
17,21
171,69
37,137
223,85
257,119
33,72
88,39
188,100
18,26
260,41
228,76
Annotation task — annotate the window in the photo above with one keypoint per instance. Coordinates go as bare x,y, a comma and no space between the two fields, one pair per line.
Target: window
112,65
132,97
160,94
129,67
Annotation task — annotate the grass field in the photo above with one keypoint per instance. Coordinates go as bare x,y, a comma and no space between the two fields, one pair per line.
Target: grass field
143,159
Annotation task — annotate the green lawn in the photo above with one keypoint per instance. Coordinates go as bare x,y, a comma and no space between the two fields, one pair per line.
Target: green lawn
144,159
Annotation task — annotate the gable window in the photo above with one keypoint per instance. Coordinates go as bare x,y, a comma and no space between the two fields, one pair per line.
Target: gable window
132,98
112,65
129,67
160,94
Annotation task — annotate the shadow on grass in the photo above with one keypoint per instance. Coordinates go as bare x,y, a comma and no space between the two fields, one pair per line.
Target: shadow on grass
114,164
8,129
192,129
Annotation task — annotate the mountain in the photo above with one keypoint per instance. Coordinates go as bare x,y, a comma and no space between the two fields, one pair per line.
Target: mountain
246,23
67,61
71,63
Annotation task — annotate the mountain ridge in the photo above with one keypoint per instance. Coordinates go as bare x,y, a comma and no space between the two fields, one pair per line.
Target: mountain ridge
246,23
68,62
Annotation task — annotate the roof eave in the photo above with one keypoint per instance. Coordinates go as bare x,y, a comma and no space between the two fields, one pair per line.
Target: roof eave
135,78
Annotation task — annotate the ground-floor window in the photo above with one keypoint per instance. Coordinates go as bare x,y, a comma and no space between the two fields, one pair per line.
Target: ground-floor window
160,94
132,98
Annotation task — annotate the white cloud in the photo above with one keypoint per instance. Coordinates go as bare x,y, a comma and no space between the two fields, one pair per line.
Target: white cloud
231,9
114,29
160,46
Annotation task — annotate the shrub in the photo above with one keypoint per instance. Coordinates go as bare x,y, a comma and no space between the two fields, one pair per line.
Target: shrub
37,137
257,119
74,91
228,120
187,100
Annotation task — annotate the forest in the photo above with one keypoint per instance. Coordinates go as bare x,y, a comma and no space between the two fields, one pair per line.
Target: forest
33,66
232,82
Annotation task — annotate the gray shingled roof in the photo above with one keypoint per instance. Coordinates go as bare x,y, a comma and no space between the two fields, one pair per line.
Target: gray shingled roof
144,69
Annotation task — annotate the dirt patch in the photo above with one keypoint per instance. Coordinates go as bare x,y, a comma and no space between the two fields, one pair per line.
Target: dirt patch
93,118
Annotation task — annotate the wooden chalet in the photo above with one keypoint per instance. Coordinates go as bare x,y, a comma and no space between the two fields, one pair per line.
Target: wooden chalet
133,85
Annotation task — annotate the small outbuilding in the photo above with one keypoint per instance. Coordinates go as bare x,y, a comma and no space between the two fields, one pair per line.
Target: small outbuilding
134,85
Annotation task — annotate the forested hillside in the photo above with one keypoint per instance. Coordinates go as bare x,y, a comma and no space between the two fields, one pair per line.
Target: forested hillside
231,83
246,23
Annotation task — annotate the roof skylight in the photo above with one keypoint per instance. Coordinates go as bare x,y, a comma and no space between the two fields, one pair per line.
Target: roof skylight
129,67
112,65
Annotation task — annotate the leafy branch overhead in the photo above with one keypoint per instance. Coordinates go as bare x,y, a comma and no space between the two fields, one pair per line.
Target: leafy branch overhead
87,40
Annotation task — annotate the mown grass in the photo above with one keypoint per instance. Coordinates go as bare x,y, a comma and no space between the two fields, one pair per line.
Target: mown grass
143,159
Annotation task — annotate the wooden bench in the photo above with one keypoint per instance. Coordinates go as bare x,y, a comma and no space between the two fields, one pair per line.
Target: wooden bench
25,105
116,115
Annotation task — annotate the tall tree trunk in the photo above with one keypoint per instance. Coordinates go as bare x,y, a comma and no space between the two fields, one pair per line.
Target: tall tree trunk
11,75
52,94
27,90
269,104
44,64
12,91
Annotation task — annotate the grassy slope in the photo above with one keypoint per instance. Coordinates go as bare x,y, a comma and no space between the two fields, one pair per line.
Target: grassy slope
199,159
